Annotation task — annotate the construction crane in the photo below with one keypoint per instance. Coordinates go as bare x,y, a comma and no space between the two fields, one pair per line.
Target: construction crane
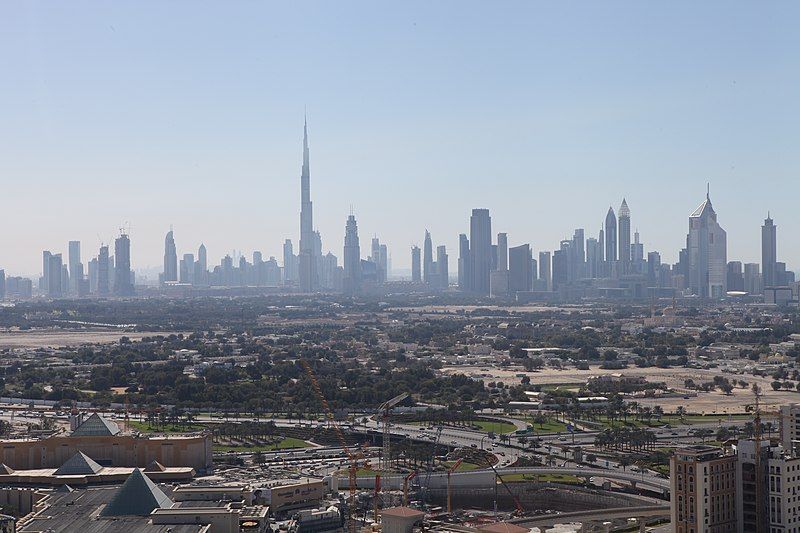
352,456
386,411
520,510
406,480
433,457
449,492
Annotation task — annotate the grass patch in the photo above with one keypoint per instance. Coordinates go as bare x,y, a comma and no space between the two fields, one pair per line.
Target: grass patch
463,467
551,426
146,427
286,444
498,426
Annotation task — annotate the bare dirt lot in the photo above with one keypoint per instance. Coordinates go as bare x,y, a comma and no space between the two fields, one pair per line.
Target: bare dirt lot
62,338
703,403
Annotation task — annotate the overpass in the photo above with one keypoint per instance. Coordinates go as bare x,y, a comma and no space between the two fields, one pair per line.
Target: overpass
595,515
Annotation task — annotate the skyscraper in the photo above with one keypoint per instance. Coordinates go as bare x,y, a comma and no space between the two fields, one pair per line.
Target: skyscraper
519,269
592,258
545,271
352,257
123,279
170,258
624,252
442,267
427,258
502,251
75,267
769,253
480,238
103,266
308,260
708,253
611,240
463,263
289,273
416,265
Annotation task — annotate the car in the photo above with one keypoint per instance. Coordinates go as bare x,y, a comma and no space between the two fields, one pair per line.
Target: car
473,445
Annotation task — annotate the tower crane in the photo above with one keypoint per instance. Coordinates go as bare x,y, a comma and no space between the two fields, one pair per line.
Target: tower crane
352,456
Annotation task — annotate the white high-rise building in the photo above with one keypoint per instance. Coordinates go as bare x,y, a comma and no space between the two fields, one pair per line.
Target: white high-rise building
708,253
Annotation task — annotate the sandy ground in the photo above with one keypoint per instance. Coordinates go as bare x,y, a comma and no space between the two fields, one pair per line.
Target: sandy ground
60,338
703,403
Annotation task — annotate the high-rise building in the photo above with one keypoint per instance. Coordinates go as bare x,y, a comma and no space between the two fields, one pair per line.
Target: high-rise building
289,273
103,272
624,228
352,257
593,261
123,277
2,284
93,268
427,258
519,269
502,251
545,271
702,490
637,255
187,269
654,269
708,253
463,263
416,265
752,278
442,267
480,251
309,279
769,253
170,259
611,242
735,276
579,246
75,267
51,283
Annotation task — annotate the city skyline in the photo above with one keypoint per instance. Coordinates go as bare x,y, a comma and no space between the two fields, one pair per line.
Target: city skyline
652,123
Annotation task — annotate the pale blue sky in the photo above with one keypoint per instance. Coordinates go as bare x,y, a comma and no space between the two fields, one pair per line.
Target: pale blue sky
190,113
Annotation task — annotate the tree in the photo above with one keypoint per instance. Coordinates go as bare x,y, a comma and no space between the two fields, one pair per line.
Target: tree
776,385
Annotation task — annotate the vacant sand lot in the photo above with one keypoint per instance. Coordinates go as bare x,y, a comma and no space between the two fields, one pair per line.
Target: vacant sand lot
62,338
705,403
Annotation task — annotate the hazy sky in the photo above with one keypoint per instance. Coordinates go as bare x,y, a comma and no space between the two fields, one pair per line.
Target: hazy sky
190,114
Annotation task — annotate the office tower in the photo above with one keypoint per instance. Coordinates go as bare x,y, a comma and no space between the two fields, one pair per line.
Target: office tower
103,271
769,252
123,280
170,259
519,269
480,252
702,490
463,263
579,247
416,265
75,267
592,258
654,269
383,261
637,255
561,265
752,278
51,283
379,257
308,259
545,272
352,257
601,243
611,239
735,276
187,269
93,268
427,258
202,257
751,485
708,255
289,273
201,277
534,271
502,251
624,238
2,284
442,269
